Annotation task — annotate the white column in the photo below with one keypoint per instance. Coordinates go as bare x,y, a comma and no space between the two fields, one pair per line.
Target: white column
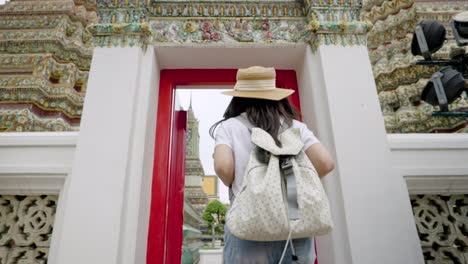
104,206
369,199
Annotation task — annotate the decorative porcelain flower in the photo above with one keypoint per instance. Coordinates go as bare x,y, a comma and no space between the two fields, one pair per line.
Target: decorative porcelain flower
206,35
284,26
216,24
238,24
245,25
344,25
189,27
159,25
22,119
169,35
118,27
215,36
257,25
227,26
206,26
266,26
299,26
145,27
268,35
313,25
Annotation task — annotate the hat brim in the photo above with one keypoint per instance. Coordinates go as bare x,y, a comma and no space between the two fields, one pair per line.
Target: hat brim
275,94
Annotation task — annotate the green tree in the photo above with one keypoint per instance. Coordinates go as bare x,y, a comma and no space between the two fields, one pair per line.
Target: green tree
214,216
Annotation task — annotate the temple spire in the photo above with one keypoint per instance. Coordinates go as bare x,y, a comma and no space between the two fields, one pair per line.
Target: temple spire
190,104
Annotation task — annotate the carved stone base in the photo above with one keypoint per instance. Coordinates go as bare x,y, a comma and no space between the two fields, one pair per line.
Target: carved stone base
442,223
26,224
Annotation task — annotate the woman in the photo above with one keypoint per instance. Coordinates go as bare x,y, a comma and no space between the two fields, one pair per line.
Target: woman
266,107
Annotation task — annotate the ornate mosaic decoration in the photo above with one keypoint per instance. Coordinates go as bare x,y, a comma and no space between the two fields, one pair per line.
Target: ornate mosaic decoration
26,226
45,55
400,82
442,223
23,119
335,22
156,22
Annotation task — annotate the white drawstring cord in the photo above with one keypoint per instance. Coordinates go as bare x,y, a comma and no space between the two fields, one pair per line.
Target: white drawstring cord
285,247
292,248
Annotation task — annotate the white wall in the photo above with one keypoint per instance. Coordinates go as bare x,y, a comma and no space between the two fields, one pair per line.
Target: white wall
137,200
35,163
333,248
104,207
229,56
431,163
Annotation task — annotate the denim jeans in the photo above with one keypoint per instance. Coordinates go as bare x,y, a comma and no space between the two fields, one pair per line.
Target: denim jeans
238,251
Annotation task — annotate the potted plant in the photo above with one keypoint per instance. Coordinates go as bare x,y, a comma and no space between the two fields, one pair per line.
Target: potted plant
214,216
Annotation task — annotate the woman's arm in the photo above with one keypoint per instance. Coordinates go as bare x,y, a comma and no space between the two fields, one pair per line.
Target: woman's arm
321,159
224,164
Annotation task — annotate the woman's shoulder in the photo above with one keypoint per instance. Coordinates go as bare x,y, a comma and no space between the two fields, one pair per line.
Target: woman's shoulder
231,124
232,121
298,124
305,130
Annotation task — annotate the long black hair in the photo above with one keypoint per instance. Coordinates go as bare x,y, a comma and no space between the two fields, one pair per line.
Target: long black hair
264,114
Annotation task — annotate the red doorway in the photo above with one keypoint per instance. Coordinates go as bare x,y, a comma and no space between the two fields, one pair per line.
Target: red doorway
166,216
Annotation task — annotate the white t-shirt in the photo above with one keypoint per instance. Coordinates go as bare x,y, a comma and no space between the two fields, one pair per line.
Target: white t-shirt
236,135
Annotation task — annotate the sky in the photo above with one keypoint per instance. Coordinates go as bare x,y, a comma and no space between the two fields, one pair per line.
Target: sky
208,106
2,2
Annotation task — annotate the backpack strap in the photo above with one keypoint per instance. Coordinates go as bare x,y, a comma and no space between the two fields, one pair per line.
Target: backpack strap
291,187
243,119
231,195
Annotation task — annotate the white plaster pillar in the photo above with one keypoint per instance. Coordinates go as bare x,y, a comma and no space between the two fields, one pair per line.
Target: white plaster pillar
103,209
369,199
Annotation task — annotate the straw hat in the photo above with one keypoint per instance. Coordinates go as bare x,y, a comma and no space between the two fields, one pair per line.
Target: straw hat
258,82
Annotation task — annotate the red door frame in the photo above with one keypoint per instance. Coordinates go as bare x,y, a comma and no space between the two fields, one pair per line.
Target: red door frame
176,184
164,242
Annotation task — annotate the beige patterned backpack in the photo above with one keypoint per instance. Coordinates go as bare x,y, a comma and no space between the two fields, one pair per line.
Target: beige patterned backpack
282,198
